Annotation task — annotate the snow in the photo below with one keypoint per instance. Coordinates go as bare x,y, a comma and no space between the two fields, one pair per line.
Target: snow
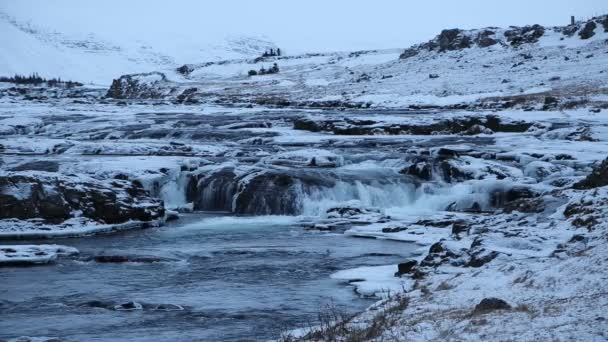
33,254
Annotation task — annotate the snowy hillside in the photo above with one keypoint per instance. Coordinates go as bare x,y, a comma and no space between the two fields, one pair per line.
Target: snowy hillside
89,58
456,67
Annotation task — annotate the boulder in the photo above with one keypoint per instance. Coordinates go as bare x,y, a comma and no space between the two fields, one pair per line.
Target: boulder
597,178
588,30
488,305
405,267
137,86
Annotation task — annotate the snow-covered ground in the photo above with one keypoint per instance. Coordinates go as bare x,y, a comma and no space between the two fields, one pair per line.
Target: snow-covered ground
504,197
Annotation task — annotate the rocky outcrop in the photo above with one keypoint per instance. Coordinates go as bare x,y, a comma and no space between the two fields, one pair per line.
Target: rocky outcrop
588,30
466,125
56,198
137,86
524,35
597,178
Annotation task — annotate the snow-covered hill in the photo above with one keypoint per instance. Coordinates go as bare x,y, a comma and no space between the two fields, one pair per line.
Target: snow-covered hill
456,67
89,58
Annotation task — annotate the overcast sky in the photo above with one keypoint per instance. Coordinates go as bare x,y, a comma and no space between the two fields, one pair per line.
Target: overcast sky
306,25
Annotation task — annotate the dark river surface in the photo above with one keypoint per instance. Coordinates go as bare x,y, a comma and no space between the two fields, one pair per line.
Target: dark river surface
237,279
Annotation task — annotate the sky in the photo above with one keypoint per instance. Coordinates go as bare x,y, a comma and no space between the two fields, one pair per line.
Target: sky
296,26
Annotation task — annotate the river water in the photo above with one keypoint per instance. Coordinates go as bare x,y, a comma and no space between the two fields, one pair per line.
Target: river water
237,279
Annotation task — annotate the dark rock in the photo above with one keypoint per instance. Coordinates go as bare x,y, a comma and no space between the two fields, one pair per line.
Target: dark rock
185,69
605,23
524,35
588,30
129,306
405,267
484,40
597,178
460,227
408,53
38,165
137,86
488,305
422,170
432,76
55,199
453,39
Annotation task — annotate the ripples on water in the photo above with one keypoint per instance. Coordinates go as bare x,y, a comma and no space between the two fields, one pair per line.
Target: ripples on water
237,278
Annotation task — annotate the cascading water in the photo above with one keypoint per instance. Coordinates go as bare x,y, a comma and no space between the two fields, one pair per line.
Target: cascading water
313,193
375,194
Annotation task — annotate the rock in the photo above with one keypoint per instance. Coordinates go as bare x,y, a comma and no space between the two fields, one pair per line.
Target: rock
171,215
405,267
55,198
422,170
408,53
597,178
38,165
168,307
185,69
550,102
484,40
488,305
524,35
432,76
478,129
453,39
605,23
588,30
129,306
137,86
460,227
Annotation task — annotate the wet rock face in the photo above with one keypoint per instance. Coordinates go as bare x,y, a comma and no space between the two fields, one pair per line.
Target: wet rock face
56,199
605,23
137,86
269,194
213,192
257,192
588,30
597,178
524,35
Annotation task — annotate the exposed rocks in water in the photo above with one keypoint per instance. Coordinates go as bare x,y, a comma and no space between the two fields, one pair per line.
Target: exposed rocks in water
38,165
56,198
597,178
118,258
129,306
346,126
520,199
488,305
